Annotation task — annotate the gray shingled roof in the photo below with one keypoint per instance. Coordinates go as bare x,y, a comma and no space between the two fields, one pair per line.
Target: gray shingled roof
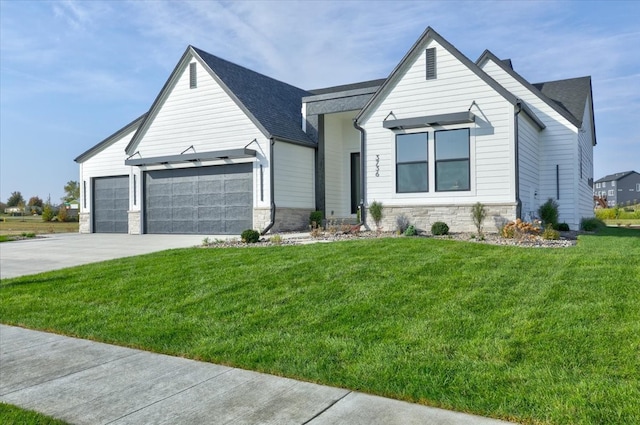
347,87
274,104
616,176
570,94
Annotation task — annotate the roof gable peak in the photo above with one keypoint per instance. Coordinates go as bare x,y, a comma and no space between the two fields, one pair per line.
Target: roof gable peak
409,58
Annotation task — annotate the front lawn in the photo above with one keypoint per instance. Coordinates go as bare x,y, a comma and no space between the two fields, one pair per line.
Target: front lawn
14,415
525,334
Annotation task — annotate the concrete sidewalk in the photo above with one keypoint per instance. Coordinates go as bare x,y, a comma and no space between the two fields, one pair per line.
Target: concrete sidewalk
85,382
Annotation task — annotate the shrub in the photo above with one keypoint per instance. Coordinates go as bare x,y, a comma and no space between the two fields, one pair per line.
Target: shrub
250,236
550,234
48,213
62,214
439,228
411,231
590,224
315,219
549,212
605,214
562,227
276,239
375,209
402,223
478,213
518,229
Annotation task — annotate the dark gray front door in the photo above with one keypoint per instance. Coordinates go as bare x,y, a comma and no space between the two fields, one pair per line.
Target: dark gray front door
110,204
205,200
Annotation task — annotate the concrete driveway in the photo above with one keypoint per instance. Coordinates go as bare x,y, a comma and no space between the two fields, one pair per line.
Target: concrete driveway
58,251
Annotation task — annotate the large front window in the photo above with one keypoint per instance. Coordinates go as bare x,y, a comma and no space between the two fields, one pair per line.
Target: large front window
452,160
412,166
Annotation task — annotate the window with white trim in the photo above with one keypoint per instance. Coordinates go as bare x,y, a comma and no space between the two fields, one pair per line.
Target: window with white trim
637,187
611,192
412,163
613,183
452,160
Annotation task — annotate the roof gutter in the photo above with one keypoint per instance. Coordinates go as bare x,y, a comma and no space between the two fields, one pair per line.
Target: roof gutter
363,140
517,158
271,188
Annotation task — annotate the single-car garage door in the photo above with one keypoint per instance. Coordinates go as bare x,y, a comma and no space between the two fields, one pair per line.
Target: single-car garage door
204,200
110,204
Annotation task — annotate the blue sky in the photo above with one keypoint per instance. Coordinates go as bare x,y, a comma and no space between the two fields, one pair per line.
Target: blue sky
74,72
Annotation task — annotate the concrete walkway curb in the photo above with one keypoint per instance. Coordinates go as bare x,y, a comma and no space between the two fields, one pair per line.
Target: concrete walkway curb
85,382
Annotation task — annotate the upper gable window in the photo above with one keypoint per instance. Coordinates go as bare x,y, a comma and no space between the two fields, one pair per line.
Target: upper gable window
431,63
193,76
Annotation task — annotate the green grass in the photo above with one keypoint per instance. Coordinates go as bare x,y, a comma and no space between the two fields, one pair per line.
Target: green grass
13,415
11,226
531,335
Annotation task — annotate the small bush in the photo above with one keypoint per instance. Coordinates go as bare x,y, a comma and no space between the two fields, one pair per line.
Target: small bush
590,224
549,212
250,236
478,213
375,209
518,229
439,228
562,227
48,213
315,218
276,239
550,234
605,214
410,231
402,223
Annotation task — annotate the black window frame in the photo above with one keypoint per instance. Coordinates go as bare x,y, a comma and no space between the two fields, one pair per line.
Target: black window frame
426,162
449,160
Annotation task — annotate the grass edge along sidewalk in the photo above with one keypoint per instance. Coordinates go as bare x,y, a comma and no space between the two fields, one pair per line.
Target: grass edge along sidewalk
523,334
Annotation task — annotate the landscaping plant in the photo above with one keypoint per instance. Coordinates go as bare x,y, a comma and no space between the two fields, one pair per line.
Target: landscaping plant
315,219
410,231
250,236
402,223
591,224
439,228
478,214
375,209
549,212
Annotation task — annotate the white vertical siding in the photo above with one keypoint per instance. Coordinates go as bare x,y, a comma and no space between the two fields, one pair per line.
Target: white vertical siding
294,176
454,90
206,118
557,147
107,162
341,139
529,164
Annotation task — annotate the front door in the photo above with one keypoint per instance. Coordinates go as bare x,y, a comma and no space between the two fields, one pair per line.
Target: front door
355,181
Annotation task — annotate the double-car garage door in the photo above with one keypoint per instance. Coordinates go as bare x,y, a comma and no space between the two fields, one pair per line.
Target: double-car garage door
204,200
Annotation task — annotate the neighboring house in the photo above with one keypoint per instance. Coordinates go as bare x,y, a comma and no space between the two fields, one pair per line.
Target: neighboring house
223,148
619,188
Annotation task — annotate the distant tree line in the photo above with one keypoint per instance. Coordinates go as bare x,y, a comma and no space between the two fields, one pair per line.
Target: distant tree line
49,212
